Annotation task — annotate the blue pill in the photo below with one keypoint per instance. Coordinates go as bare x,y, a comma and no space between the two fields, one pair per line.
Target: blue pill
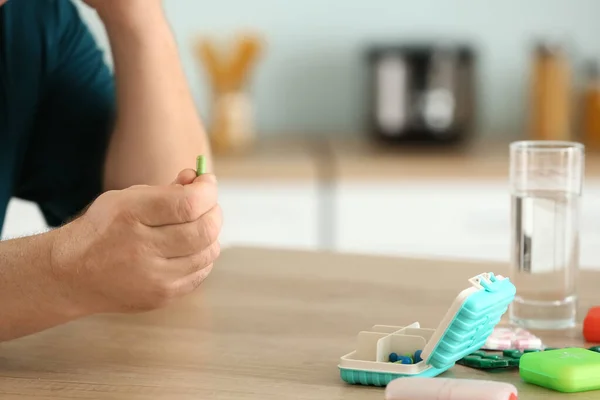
404,360
393,357
417,356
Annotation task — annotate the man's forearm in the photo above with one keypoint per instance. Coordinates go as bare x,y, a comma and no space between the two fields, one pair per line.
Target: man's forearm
31,298
158,131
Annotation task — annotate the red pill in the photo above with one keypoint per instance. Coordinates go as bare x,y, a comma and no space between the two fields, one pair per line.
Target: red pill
591,325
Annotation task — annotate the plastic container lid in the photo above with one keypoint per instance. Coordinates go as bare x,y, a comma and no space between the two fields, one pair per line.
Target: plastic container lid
470,320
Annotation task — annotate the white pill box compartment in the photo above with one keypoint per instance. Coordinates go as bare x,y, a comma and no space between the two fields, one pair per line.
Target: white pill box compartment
468,323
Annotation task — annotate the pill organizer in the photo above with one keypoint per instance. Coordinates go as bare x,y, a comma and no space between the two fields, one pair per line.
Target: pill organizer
464,329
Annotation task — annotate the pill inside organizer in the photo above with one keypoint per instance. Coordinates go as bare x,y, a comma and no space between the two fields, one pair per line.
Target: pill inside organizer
407,358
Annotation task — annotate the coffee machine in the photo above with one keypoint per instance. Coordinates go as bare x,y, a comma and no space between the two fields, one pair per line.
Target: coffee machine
421,93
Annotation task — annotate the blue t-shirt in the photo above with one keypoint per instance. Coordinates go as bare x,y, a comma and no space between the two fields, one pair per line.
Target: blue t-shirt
57,107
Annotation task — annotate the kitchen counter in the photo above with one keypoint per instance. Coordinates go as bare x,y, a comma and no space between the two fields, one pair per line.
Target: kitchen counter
273,160
360,160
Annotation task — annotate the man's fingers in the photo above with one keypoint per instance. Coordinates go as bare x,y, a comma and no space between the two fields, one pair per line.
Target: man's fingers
173,204
188,176
191,282
182,240
185,177
206,177
179,268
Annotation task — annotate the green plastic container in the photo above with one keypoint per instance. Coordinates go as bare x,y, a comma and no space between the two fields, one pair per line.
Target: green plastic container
567,370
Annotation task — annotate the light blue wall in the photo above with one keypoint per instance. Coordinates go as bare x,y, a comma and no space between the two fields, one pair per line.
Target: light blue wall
312,77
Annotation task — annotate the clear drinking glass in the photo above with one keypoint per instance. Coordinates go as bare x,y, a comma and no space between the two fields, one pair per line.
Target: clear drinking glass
546,179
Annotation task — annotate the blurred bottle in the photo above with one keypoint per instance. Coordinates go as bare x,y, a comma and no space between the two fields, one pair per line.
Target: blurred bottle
232,122
550,108
591,108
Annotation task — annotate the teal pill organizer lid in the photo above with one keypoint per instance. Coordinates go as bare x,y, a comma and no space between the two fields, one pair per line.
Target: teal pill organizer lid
470,320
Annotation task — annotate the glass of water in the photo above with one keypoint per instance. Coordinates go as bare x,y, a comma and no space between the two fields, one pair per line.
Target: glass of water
546,179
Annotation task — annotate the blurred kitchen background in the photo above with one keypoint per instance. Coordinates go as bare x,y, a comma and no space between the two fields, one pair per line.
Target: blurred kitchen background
382,126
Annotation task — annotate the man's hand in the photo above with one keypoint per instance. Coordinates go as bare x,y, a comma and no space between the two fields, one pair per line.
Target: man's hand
139,248
132,250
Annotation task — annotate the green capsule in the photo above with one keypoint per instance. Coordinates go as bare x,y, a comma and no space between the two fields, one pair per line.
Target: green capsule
200,165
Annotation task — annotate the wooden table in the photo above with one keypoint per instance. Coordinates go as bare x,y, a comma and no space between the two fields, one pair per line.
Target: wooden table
266,325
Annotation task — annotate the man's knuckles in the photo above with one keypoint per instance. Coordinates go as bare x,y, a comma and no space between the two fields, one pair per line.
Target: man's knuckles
209,227
204,258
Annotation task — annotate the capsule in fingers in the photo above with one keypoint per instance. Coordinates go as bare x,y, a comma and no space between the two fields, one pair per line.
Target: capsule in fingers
200,165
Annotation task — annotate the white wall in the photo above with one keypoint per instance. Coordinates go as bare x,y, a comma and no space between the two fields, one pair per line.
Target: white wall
312,79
